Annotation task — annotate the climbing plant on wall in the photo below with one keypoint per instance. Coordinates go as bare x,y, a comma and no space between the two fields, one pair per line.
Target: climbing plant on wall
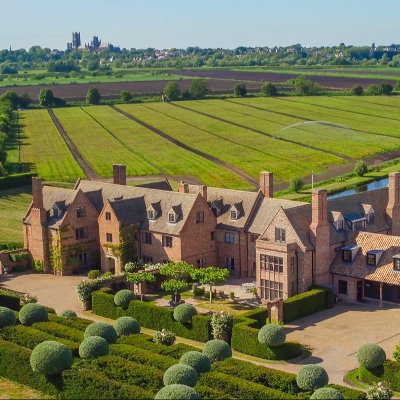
127,244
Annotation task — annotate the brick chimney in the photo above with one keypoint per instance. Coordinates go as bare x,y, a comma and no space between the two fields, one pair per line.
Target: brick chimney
183,187
393,207
319,236
119,174
203,191
267,184
37,192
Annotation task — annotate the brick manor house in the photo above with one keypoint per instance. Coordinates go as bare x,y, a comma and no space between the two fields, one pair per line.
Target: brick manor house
351,242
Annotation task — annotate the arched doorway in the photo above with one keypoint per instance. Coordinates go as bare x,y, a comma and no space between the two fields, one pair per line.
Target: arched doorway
110,264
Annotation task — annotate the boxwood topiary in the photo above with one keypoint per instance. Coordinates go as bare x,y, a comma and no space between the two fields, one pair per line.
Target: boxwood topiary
102,329
311,377
177,392
7,317
32,312
198,361
51,358
93,347
272,335
123,298
184,313
217,350
180,374
327,393
371,355
125,326
68,314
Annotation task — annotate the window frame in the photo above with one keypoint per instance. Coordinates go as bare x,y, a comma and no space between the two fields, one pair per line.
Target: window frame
341,285
292,265
167,241
371,260
229,237
146,237
82,233
151,215
171,218
280,235
234,215
109,237
108,216
81,212
340,225
344,257
147,259
396,264
199,217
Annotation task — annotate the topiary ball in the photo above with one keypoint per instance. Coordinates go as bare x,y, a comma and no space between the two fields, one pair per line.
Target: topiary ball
68,314
371,355
31,313
51,358
123,298
125,326
198,361
7,317
311,377
272,335
102,329
180,374
93,347
184,313
217,350
327,393
177,392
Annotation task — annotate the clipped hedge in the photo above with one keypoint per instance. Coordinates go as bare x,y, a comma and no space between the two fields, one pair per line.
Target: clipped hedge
77,323
208,393
7,317
102,329
59,331
329,295
349,393
241,389
12,181
177,392
200,362
152,316
125,326
10,301
245,338
93,347
180,374
327,393
32,312
389,372
303,304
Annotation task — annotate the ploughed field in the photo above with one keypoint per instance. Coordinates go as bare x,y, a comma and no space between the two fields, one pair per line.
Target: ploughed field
223,143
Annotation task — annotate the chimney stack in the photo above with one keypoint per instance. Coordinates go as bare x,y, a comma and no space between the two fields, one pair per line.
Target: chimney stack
393,207
119,174
267,184
183,187
203,191
37,192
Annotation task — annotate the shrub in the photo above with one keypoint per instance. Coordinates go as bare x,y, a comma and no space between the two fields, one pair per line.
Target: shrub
60,331
327,393
93,347
18,257
348,393
94,274
102,329
311,377
221,323
184,313
217,350
269,89
380,390
296,183
196,360
126,326
357,90
9,300
240,90
388,372
107,274
123,298
198,291
303,304
272,335
7,317
68,314
177,392
51,358
164,337
361,168
371,355
180,374
32,312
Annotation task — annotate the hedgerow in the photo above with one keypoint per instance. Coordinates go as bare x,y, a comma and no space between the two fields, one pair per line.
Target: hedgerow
123,298
77,323
10,301
370,355
32,312
93,347
349,393
60,331
200,362
125,326
102,329
272,335
208,393
326,393
389,372
184,313
217,350
7,317
174,392
51,358
303,304
180,374
311,377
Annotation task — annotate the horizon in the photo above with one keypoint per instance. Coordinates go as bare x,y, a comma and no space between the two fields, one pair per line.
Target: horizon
257,23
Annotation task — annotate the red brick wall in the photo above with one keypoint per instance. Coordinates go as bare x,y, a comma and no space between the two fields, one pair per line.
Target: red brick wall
351,287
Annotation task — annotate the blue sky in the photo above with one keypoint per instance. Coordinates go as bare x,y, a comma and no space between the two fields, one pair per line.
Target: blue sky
203,23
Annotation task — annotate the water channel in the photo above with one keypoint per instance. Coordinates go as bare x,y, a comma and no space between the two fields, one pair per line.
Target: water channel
363,188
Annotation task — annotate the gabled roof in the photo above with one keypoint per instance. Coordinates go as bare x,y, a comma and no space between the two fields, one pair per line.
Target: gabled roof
162,185
370,242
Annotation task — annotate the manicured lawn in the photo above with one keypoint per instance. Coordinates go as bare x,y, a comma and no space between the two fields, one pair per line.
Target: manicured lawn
14,390
43,150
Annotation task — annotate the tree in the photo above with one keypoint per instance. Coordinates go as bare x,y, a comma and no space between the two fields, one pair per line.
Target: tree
172,91
199,87
357,90
269,89
372,90
304,86
93,65
177,271
137,278
24,100
361,168
240,90
385,88
93,96
398,85
210,276
46,98
126,96
296,183
12,97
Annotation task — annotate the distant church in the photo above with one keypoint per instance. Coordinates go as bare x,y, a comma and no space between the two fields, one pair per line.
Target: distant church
94,46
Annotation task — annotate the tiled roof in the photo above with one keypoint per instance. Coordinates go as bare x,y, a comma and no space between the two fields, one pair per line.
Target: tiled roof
161,185
383,272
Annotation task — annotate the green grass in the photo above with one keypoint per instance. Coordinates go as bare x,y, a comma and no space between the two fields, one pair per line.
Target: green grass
14,204
11,146
43,150
14,390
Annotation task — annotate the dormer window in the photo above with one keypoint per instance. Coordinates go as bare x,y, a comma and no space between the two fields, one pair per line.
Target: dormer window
339,225
151,215
368,212
350,252
396,262
171,218
346,255
56,213
370,217
234,215
371,259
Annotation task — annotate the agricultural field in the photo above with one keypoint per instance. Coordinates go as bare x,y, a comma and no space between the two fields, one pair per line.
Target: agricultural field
43,150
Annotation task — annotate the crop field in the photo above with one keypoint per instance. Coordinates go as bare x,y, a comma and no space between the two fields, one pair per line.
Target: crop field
43,150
